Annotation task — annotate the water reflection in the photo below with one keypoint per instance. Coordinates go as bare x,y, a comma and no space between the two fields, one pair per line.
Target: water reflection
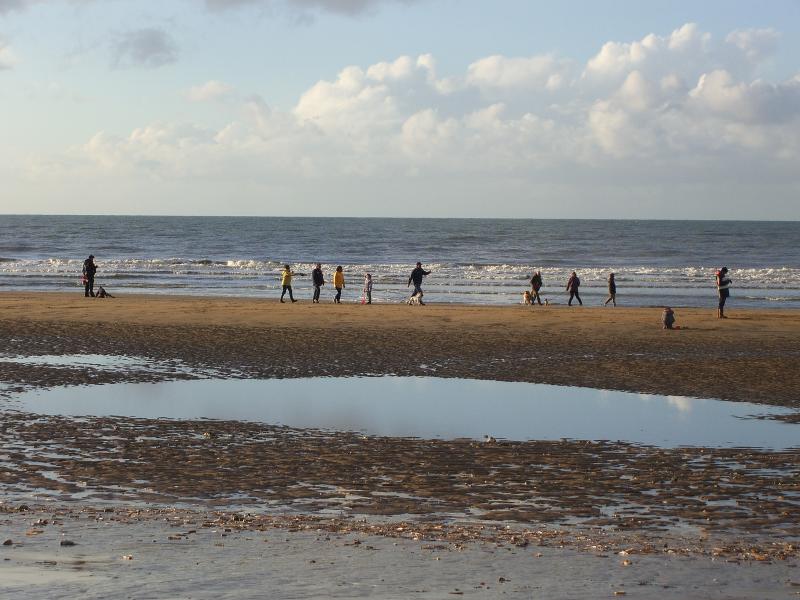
434,408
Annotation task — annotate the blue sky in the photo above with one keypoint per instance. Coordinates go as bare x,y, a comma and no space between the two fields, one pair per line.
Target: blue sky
388,107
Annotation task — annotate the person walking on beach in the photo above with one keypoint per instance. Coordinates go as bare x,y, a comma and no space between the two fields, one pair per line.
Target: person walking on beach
416,276
612,290
573,283
317,280
89,269
536,285
286,282
368,288
723,290
338,283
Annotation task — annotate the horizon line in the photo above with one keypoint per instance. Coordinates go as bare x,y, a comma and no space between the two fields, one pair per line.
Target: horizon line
459,218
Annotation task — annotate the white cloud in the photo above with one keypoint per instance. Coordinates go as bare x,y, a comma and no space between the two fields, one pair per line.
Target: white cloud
638,93
757,102
636,115
210,90
7,57
148,47
756,44
544,71
685,50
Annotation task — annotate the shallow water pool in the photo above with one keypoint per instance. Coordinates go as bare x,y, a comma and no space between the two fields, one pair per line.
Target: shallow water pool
427,407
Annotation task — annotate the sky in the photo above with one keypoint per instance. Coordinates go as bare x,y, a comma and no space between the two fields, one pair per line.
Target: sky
440,108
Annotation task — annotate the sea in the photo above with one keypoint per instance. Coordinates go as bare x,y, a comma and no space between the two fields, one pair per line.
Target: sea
472,261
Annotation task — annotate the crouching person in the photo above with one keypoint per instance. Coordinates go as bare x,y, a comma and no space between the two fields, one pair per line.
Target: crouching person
668,318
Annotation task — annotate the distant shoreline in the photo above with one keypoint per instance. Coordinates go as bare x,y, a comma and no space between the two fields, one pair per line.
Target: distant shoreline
416,218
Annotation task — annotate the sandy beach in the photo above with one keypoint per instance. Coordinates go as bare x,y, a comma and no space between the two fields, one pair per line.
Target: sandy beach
752,356
514,515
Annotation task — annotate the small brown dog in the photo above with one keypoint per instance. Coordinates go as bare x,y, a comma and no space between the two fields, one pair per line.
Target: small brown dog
527,298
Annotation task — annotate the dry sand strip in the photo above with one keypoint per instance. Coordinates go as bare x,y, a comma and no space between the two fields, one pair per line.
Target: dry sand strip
753,356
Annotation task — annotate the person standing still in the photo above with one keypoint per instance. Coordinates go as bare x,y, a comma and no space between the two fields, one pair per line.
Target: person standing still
536,285
368,288
89,269
723,290
416,276
573,283
612,290
318,280
338,283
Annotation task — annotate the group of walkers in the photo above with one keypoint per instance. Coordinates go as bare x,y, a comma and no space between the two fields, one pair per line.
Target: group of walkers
318,280
722,279
573,288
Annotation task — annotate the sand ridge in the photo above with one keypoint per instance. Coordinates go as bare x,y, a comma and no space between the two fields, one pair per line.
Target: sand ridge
752,356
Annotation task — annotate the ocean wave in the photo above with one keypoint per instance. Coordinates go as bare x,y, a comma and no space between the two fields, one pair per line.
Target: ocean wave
468,270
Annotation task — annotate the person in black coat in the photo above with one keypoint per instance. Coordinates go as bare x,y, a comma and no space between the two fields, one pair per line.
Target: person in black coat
536,285
416,277
573,283
317,280
723,291
89,269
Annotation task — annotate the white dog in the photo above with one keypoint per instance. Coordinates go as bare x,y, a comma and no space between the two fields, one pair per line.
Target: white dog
415,299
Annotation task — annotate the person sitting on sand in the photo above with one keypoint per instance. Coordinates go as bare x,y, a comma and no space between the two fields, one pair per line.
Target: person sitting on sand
668,318
102,293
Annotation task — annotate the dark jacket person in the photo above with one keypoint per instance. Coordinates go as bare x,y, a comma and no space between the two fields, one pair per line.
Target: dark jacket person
89,269
416,277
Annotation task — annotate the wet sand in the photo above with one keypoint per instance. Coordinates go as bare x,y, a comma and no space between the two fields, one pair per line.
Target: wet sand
753,356
306,513
732,502
185,554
